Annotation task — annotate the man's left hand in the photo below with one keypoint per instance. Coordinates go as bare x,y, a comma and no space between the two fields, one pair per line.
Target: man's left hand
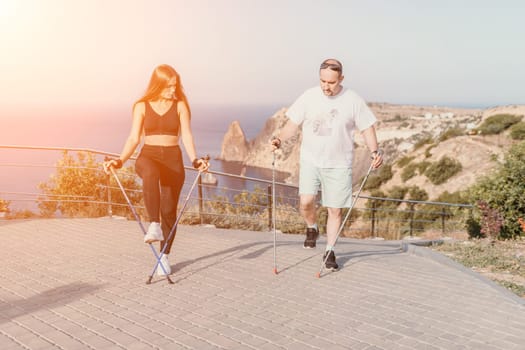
377,159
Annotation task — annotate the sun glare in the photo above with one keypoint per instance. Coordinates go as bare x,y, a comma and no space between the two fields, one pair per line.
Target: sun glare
11,12
8,8
15,15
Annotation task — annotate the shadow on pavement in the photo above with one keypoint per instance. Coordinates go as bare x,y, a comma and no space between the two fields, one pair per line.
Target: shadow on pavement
60,296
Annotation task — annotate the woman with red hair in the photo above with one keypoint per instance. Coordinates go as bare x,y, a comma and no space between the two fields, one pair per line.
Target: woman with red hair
162,116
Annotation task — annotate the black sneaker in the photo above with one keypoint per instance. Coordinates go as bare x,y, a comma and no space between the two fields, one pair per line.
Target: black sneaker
330,262
311,237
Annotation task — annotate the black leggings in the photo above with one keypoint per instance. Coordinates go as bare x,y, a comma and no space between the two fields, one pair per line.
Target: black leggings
162,171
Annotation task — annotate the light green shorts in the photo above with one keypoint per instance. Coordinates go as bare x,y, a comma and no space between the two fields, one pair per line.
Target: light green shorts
335,184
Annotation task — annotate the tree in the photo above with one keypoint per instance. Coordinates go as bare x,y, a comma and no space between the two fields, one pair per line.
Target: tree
503,190
79,188
4,206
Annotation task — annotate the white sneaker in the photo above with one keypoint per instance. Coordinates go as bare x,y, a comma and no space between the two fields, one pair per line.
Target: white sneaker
154,233
164,261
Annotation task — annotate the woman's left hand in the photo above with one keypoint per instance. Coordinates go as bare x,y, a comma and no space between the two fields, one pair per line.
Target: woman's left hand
111,163
201,164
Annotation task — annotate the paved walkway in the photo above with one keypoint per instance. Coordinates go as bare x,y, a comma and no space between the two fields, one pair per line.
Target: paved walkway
80,284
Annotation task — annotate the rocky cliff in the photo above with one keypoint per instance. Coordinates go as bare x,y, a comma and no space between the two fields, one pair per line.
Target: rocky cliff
286,158
257,152
234,144
400,130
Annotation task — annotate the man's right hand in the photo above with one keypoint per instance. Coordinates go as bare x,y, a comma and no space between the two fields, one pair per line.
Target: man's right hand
275,142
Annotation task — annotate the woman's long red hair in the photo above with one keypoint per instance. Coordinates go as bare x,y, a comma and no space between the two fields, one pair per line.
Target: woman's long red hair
159,81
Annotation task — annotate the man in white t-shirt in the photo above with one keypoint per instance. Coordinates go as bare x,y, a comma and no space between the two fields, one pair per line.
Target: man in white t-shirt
328,115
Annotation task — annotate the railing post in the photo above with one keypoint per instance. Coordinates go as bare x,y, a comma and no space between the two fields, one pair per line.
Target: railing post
411,218
443,213
200,199
373,218
110,209
270,207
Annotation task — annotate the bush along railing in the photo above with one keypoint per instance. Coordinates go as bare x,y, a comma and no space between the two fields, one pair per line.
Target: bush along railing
79,188
395,218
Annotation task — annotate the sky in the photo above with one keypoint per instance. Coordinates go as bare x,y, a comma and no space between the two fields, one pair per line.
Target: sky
94,54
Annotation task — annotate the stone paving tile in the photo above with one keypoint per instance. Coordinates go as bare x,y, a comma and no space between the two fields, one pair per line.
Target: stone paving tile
80,283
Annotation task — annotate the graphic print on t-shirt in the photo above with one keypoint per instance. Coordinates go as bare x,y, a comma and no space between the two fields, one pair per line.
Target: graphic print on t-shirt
324,124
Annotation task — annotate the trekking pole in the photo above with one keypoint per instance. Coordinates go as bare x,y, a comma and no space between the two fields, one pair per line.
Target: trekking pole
172,231
132,208
274,214
345,219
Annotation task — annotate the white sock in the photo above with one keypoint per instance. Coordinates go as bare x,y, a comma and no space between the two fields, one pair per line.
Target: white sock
329,247
313,226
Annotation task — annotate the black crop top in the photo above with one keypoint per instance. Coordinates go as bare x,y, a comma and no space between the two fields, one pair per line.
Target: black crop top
166,124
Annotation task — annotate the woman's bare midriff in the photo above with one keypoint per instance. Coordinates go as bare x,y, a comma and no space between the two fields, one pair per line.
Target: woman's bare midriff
161,140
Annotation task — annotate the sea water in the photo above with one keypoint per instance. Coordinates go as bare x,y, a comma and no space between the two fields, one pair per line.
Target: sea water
106,130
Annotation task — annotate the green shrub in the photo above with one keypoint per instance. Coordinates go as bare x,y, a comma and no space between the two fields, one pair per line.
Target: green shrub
450,133
495,124
473,228
414,169
409,172
397,118
398,192
411,215
403,161
417,194
381,176
422,166
442,170
246,211
517,131
385,209
503,190
377,193
373,182
454,197
250,203
427,151
424,141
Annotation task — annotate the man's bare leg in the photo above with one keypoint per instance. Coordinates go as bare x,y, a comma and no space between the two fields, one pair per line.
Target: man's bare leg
332,225
308,211
307,208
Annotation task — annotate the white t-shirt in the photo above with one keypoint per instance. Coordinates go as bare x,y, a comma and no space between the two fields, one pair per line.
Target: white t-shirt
328,124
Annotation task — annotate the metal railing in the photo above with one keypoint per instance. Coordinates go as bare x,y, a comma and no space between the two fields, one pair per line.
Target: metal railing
234,201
